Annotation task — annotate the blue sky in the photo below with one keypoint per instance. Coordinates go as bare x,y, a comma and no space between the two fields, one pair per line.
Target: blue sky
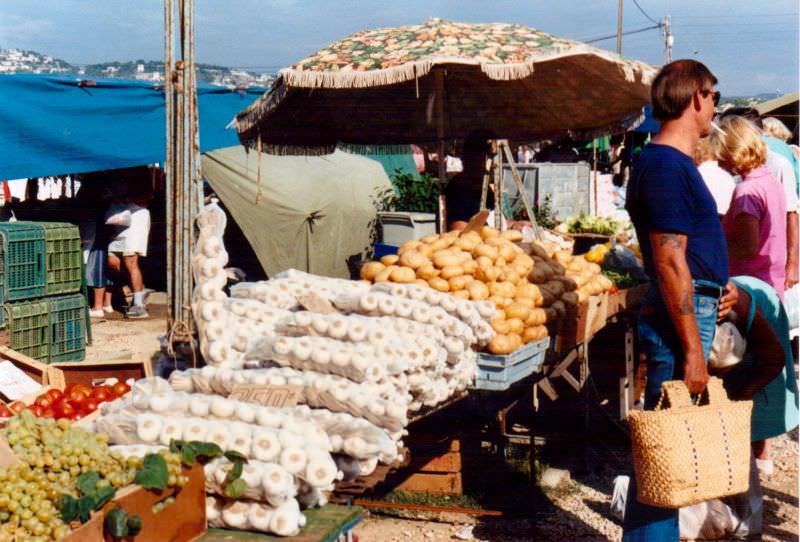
751,46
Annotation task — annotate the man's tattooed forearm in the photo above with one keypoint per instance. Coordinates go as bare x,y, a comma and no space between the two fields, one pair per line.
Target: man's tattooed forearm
686,305
672,240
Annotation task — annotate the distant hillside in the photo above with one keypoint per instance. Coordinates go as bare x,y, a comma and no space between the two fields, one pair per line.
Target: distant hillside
20,61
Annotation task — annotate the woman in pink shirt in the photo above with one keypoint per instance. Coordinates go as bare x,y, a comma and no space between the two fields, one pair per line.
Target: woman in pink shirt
755,224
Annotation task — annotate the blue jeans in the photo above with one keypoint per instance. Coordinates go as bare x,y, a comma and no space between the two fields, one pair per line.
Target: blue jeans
659,341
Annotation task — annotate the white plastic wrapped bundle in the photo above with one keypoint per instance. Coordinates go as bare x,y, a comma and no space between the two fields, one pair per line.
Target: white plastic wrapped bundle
266,292
327,355
284,520
275,492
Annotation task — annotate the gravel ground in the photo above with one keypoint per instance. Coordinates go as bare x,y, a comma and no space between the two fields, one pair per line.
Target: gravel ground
578,510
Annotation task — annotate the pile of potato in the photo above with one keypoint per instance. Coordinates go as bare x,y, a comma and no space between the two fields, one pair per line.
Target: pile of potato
586,277
474,265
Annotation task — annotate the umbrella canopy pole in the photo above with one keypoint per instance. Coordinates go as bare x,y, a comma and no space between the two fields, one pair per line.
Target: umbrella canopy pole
441,216
181,167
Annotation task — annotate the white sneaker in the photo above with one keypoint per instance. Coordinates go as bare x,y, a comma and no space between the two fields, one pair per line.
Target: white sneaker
97,313
108,309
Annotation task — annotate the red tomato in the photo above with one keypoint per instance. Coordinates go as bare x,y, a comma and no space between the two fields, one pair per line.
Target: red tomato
63,409
77,397
82,387
36,409
75,416
55,394
48,413
89,406
102,394
120,388
18,406
44,401
5,412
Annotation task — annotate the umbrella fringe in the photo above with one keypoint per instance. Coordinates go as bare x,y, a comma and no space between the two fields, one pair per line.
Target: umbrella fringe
357,79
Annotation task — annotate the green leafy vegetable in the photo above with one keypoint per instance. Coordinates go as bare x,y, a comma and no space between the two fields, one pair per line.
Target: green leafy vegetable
85,507
236,488
68,508
116,523
87,482
134,525
103,495
154,473
235,457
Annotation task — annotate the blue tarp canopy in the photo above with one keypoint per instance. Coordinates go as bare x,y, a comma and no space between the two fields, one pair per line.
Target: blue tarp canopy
649,124
55,125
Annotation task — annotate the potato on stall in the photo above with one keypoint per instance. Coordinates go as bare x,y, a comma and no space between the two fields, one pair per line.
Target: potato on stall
385,273
438,283
390,259
402,275
488,232
512,235
370,269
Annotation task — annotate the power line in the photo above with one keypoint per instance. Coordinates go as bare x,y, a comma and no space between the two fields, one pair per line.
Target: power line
610,36
645,13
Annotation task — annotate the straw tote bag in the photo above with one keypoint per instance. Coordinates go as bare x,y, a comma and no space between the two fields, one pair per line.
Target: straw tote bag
685,453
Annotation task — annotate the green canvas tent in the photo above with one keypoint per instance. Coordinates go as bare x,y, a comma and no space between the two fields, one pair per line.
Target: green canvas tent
309,213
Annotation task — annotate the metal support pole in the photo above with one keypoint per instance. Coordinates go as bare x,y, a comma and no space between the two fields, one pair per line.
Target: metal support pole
439,105
619,28
504,146
183,183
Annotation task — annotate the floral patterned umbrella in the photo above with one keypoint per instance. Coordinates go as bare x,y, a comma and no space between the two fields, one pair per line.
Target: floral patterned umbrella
445,80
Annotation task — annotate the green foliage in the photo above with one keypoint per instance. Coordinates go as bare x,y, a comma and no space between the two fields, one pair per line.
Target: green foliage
545,217
154,473
92,498
118,524
412,193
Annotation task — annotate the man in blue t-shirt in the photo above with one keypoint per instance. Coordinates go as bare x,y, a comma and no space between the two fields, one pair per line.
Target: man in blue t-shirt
685,255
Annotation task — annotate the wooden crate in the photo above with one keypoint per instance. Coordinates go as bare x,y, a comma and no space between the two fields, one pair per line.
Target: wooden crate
434,467
581,323
182,521
41,372
89,372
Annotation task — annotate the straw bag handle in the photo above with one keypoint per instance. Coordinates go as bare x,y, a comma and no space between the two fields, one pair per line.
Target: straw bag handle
674,393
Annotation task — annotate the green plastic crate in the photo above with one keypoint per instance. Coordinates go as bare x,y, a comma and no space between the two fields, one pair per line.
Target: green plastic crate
67,326
63,258
29,328
22,250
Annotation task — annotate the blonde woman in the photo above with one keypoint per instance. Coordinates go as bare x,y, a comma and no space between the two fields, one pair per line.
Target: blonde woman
775,128
719,182
755,224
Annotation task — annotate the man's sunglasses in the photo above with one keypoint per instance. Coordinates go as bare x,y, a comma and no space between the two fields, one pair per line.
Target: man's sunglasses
715,93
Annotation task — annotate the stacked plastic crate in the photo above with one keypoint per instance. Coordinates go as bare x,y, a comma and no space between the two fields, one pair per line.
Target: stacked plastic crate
43,290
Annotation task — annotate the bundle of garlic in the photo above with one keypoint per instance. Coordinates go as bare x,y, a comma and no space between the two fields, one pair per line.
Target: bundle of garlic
381,405
382,304
356,361
296,452
284,520
265,482
265,291
476,314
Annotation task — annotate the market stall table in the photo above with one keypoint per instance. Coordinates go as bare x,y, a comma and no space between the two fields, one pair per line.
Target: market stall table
331,523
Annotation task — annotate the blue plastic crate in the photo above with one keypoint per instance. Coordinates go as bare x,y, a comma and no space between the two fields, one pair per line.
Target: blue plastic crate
382,249
499,372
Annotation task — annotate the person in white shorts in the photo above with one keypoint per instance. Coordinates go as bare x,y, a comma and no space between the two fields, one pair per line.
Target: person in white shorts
126,248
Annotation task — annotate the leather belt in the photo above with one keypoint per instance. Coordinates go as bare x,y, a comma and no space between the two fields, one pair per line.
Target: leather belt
709,291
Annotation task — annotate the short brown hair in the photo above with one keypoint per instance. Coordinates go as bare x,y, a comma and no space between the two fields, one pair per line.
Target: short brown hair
674,86
739,145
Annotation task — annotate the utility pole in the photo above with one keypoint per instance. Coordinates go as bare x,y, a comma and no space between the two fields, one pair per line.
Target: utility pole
619,28
669,39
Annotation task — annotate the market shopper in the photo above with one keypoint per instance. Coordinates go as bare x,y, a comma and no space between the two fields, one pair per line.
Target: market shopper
783,164
130,242
92,199
719,182
684,253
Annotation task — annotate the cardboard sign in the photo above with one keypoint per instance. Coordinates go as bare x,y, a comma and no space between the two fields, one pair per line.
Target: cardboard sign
477,221
14,383
316,303
271,396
